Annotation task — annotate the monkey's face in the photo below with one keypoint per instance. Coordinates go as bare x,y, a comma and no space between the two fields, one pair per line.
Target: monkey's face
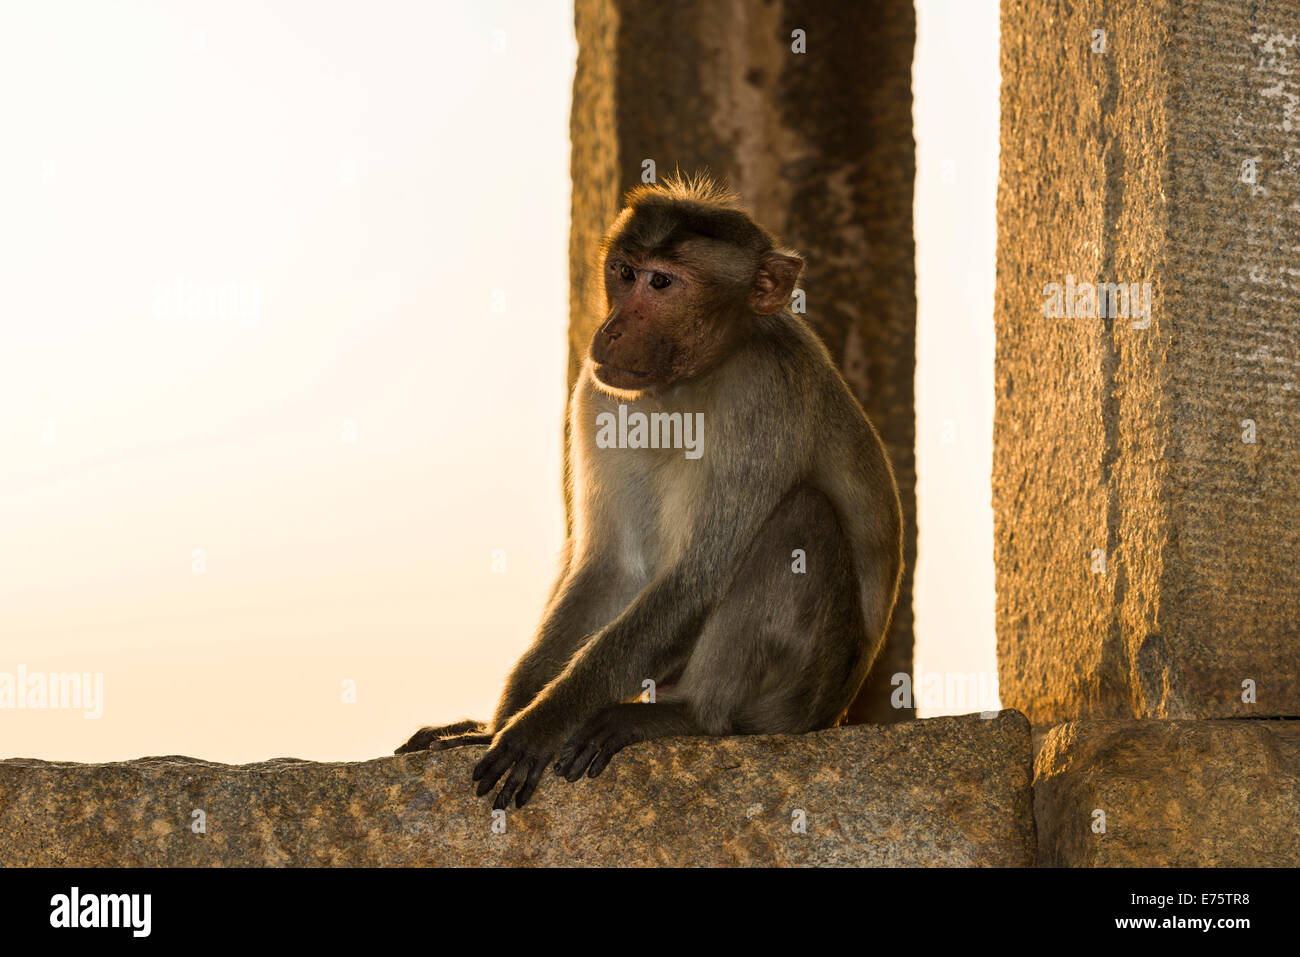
665,323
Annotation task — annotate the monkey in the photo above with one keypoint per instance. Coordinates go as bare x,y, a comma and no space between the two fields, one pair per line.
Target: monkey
753,584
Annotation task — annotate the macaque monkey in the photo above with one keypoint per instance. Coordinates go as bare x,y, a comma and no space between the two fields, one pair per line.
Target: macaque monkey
751,580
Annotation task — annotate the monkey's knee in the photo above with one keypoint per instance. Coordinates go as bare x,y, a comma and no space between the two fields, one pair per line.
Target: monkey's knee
800,550
807,509
786,628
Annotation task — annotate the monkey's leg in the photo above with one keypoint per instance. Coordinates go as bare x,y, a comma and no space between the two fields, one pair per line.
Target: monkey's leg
785,651
455,735
612,729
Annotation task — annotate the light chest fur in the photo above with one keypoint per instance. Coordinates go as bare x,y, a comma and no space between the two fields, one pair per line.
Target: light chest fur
642,501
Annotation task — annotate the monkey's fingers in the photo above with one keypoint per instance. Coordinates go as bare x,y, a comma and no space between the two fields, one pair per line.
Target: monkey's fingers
580,750
534,776
608,748
569,752
514,780
419,741
448,736
563,761
493,764
465,726
522,780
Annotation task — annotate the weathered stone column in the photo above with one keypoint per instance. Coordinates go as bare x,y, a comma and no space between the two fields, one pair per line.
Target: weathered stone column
819,144
1146,469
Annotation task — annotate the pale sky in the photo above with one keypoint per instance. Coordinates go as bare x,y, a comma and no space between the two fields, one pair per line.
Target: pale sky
955,88
283,298
366,176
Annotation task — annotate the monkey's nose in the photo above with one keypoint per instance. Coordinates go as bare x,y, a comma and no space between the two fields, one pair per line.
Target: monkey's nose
612,335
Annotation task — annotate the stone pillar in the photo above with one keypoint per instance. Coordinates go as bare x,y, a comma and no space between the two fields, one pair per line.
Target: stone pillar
1146,477
820,146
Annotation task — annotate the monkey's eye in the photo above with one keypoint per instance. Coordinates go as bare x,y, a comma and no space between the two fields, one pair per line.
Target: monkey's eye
660,281
626,273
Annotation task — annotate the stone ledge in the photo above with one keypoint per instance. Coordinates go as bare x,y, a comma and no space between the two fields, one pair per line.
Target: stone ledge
944,791
1175,793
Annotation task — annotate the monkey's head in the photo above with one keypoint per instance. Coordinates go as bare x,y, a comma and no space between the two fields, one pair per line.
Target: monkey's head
686,272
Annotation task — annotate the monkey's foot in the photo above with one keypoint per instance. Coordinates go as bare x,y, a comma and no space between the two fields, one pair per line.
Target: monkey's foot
448,736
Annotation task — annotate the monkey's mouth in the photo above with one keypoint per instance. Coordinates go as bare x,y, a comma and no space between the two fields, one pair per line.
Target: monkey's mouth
604,368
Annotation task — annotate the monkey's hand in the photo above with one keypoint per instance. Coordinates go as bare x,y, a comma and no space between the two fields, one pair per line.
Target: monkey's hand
606,733
447,736
524,747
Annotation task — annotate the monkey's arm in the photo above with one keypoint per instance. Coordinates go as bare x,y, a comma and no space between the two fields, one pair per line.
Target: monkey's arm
565,624
652,634
558,635
571,616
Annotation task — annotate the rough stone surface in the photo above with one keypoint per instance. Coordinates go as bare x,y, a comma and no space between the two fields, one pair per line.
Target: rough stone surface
1174,793
1172,158
947,791
820,146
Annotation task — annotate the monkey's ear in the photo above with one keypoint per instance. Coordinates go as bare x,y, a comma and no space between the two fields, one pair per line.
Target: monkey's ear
774,283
